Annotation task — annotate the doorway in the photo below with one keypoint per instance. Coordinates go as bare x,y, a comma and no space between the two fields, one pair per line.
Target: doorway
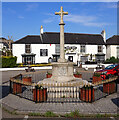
70,58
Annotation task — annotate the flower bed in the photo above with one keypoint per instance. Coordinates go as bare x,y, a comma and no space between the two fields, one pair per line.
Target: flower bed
96,78
26,79
109,87
17,88
87,94
40,94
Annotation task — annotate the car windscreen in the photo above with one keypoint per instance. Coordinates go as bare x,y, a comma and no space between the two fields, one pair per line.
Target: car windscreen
110,67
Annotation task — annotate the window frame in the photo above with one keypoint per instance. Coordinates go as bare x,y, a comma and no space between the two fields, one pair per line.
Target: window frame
100,50
83,50
27,48
41,54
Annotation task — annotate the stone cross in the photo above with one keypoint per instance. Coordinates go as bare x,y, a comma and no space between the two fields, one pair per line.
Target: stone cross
62,54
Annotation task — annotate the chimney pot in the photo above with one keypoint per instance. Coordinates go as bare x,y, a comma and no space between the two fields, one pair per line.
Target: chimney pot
103,33
41,30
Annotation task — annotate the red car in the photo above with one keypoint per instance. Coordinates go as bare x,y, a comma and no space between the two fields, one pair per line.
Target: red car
109,70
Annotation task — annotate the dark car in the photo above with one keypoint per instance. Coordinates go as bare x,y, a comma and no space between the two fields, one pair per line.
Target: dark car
109,71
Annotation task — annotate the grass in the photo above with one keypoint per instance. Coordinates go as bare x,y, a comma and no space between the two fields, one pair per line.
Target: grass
74,114
34,114
10,112
50,114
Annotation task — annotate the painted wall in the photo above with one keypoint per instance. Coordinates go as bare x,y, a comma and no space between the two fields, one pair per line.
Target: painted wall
35,48
17,50
1,46
111,51
90,49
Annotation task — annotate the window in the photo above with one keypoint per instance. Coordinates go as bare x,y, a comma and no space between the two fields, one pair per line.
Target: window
118,52
83,49
99,48
28,48
57,49
43,52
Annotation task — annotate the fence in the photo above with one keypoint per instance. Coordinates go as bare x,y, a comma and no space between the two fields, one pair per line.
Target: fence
24,86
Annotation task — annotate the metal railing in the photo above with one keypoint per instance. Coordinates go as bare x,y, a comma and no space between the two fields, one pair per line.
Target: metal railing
62,92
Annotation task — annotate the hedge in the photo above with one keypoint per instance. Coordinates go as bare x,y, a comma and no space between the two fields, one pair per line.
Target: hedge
112,60
8,62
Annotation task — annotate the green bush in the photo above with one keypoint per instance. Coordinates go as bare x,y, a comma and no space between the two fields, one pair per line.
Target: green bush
8,62
112,60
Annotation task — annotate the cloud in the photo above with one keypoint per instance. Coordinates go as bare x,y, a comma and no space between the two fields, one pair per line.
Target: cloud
49,20
85,20
79,18
112,5
21,17
96,24
31,6
11,11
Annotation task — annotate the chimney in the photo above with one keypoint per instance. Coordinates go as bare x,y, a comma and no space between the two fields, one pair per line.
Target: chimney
41,30
103,33
41,33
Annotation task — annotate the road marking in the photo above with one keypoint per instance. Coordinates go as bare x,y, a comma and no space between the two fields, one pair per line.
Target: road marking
26,117
112,118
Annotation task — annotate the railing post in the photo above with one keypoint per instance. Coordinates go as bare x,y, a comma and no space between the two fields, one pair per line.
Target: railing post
10,89
91,94
21,76
116,84
36,93
85,93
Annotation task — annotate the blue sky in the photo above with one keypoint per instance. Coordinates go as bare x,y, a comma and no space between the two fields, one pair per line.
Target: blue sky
25,18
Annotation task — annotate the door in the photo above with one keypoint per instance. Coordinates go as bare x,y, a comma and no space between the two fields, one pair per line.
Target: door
70,58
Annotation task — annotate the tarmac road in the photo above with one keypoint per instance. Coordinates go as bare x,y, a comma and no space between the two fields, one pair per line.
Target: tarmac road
7,74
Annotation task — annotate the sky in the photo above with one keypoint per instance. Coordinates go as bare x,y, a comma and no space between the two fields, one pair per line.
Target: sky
25,18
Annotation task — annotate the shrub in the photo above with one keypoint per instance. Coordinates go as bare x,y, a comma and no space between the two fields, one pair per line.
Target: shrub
50,114
8,61
34,114
78,73
112,60
96,74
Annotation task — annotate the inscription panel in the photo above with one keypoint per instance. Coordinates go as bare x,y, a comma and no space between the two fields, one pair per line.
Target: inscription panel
62,71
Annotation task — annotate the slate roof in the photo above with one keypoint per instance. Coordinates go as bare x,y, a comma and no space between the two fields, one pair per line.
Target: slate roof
114,40
70,38
29,39
1,39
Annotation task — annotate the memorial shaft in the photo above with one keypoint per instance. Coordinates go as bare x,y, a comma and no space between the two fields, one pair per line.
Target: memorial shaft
62,53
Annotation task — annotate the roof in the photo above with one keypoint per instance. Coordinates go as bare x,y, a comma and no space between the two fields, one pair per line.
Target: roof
114,40
29,39
70,38
1,39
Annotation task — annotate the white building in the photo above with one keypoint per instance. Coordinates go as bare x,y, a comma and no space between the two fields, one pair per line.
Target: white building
112,47
78,47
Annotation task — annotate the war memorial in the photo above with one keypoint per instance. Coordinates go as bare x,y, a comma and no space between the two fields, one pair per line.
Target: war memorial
63,90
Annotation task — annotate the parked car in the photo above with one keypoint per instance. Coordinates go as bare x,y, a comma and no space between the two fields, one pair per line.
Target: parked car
109,71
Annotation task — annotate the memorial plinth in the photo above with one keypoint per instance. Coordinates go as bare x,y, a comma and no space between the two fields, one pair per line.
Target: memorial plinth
62,72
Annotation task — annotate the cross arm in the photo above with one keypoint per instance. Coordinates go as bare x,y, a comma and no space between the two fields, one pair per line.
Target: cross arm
57,13
65,13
